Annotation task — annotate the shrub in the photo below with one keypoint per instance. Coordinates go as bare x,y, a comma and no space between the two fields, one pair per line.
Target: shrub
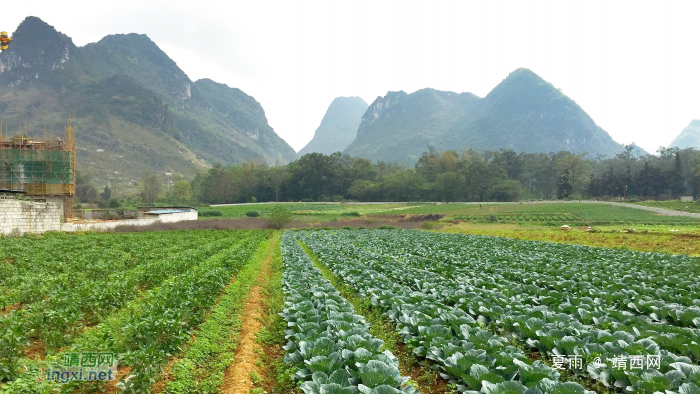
279,217
210,213
353,213
493,218
252,214
385,227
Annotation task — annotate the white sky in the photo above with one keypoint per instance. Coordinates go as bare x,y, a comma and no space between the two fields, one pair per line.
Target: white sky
632,65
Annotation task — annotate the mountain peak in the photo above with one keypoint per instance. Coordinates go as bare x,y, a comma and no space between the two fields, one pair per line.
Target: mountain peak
38,46
689,137
338,127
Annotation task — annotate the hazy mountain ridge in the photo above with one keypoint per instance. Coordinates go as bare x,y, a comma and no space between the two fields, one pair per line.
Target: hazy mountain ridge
132,106
523,113
689,137
338,128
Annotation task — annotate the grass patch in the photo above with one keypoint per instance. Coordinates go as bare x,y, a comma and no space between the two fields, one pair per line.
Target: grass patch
201,367
645,238
276,375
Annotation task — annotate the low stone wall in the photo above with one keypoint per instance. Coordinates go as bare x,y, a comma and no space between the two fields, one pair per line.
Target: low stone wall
178,216
146,221
18,217
106,226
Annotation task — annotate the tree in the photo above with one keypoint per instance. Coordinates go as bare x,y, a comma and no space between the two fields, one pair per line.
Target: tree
577,170
275,178
564,185
150,188
279,217
676,177
106,194
86,192
449,186
507,190
182,191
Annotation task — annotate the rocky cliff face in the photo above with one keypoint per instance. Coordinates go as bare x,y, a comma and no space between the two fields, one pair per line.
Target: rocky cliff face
523,113
338,127
133,108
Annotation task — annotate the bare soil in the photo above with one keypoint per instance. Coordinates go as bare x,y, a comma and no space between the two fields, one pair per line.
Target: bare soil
10,308
111,386
401,221
36,350
237,376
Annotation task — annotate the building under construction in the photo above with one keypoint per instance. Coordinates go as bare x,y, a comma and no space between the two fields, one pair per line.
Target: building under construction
42,169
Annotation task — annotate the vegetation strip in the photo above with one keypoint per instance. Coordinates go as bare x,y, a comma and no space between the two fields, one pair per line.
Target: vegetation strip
426,380
494,300
200,369
237,377
152,330
328,344
273,374
469,355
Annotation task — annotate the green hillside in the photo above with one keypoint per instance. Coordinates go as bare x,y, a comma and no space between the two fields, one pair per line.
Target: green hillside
523,113
338,127
133,109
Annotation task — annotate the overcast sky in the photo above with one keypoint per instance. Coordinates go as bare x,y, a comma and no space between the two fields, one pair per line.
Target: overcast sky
632,65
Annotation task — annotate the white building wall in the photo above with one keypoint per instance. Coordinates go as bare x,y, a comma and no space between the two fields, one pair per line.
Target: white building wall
18,217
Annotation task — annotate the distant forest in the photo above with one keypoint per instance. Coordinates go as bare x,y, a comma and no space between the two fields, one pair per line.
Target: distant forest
450,176
501,175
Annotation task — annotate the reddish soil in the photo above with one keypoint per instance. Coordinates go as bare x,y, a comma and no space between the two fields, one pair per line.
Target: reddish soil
401,221
10,308
434,385
36,350
237,375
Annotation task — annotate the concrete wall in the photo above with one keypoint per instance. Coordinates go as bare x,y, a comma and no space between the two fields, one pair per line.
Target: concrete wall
147,220
105,226
177,217
18,217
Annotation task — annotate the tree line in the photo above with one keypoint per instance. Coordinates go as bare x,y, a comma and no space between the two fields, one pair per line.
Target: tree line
502,175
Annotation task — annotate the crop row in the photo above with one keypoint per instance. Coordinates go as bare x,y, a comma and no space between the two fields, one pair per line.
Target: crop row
64,313
644,278
465,352
579,300
200,369
149,330
328,343
37,267
542,326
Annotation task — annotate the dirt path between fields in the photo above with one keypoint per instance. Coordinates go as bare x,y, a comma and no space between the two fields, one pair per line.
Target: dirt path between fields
237,378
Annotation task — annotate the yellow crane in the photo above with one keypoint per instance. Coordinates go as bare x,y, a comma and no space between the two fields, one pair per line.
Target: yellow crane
4,40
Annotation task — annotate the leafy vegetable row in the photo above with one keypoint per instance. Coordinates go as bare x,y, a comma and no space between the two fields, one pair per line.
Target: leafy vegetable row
64,313
662,286
153,328
465,352
588,306
541,328
200,369
327,341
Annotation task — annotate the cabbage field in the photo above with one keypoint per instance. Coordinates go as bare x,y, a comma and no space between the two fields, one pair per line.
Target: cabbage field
497,315
482,314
